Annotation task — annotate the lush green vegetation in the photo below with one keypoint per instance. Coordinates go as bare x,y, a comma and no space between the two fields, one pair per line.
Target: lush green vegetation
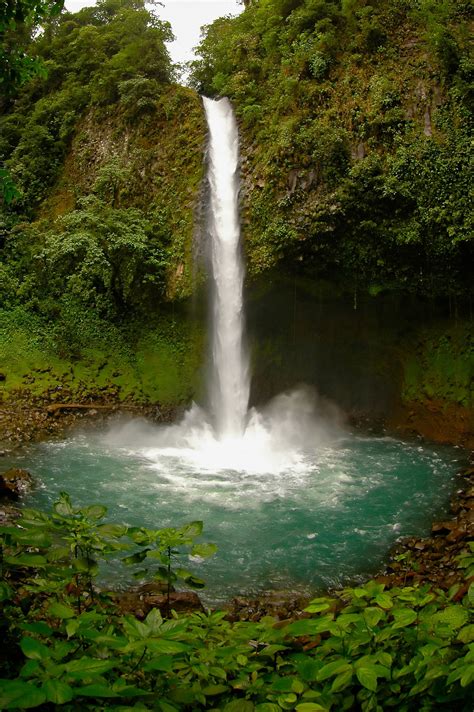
356,119
367,648
104,154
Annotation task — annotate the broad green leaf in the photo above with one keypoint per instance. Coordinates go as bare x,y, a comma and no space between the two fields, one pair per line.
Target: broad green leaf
5,591
384,600
167,647
154,620
239,706
114,531
204,550
192,529
33,649
373,615
455,616
385,659
85,565
211,690
34,560
467,676
267,707
282,684
310,707
89,666
94,511
95,691
57,691
308,669
61,611
163,663
136,558
15,694
367,677
341,681
63,506
39,627
194,582
56,553
331,669
466,634
318,604
403,618
310,626
297,686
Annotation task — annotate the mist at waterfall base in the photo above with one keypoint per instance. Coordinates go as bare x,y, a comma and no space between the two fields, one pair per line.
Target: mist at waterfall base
292,499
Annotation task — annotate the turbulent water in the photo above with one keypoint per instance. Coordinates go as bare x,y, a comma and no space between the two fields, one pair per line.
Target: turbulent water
283,518
291,498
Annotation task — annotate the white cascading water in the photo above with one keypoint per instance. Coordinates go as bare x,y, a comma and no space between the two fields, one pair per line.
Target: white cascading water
229,384
280,438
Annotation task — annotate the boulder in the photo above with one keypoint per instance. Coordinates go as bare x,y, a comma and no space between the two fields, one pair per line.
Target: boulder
15,482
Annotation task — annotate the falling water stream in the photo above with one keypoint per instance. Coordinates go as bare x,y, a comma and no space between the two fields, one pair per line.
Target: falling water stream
293,499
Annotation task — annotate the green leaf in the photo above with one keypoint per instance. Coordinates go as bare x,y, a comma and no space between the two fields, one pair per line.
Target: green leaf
466,634
33,649
204,550
239,706
367,677
163,663
57,691
89,666
114,531
39,627
454,616
135,558
267,707
61,611
34,560
341,681
5,591
192,529
468,676
373,616
194,582
15,694
96,691
310,707
403,618
167,647
317,606
94,511
335,668
85,565
63,506
384,600
212,690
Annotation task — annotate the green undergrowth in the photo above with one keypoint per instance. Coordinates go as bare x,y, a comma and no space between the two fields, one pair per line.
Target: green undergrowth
67,645
441,366
82,355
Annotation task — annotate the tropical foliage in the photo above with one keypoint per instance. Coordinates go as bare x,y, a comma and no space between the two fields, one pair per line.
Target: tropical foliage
368,648
356,120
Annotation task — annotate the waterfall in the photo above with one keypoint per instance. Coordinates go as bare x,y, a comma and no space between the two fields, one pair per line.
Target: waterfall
229,380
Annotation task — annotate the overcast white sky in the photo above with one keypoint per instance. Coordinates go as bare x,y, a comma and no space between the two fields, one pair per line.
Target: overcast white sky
186,18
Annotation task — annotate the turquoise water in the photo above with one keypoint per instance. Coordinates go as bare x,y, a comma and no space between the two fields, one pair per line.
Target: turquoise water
325,520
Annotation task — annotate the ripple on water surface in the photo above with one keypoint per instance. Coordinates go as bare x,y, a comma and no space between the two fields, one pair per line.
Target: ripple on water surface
316,511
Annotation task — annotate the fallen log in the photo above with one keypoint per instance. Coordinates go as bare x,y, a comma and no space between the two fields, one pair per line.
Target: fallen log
55,407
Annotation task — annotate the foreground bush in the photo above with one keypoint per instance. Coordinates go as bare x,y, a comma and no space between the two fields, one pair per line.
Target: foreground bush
367,649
